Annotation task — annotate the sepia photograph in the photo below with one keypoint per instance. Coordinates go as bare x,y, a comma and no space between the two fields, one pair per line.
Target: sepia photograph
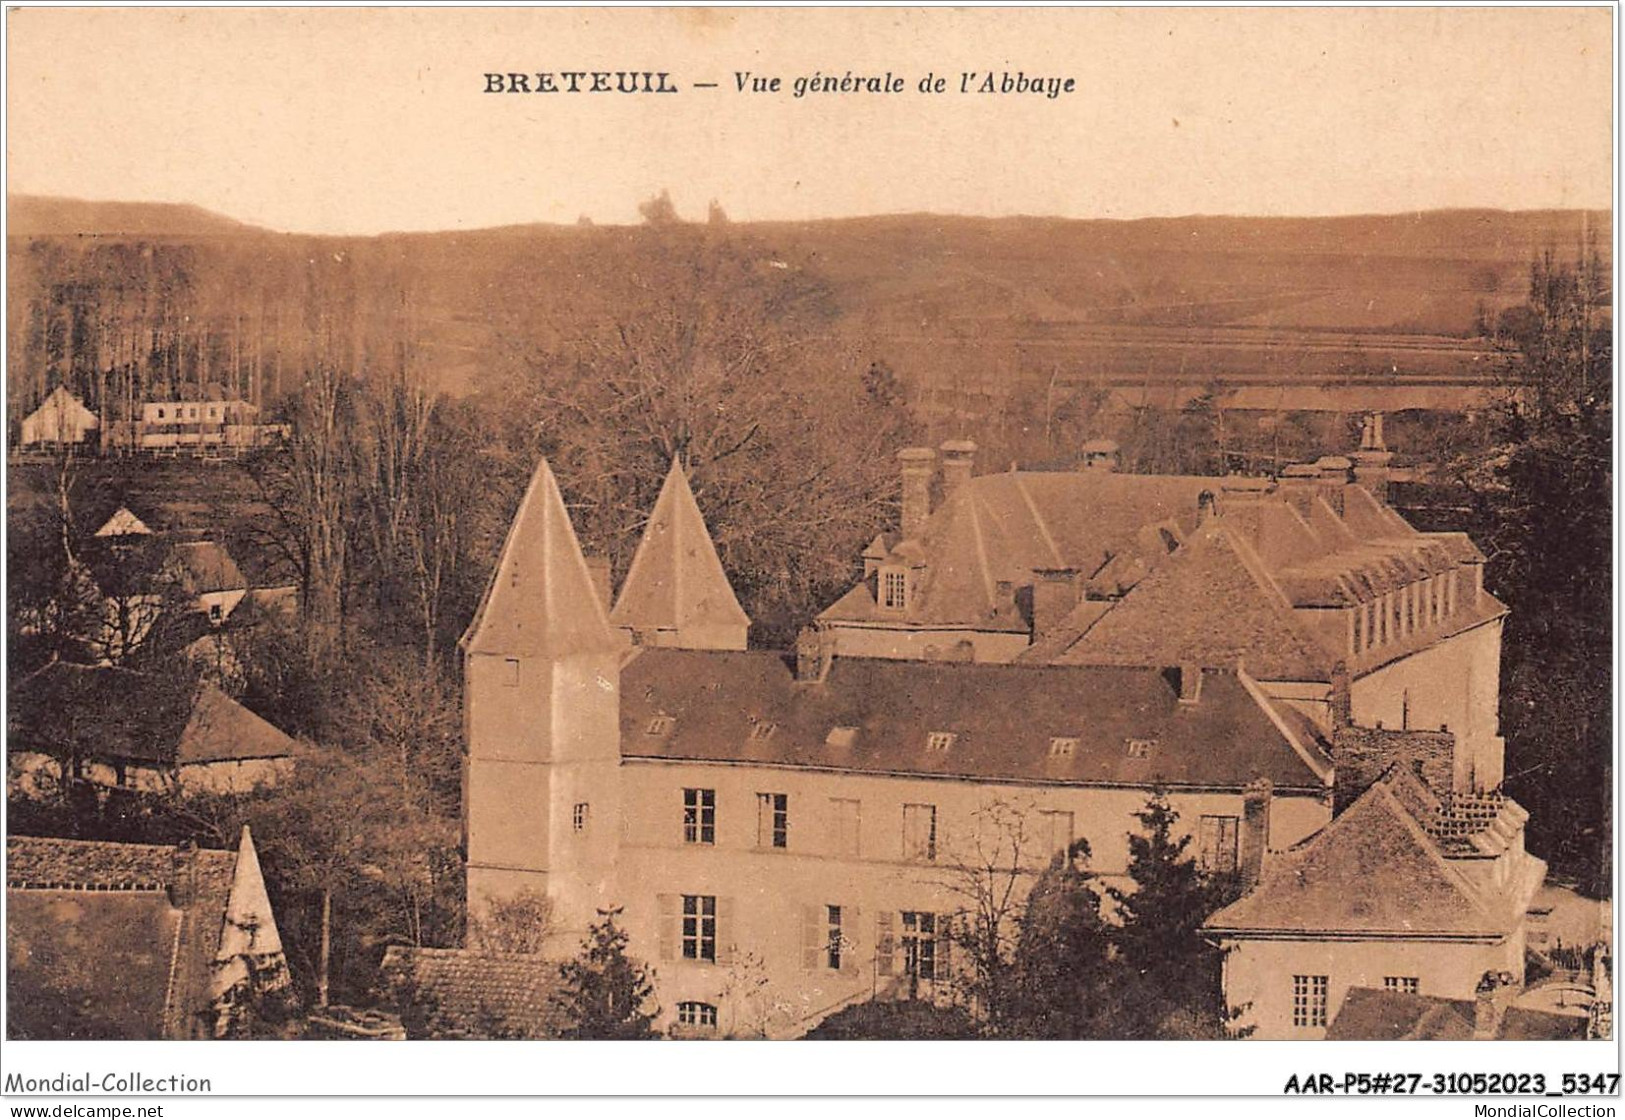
768,525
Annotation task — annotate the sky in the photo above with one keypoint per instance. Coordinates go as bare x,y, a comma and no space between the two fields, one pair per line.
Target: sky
360,121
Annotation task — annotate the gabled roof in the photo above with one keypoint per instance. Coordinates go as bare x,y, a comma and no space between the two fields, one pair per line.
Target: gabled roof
1373,871
1210,603
984,543
541,600
462,993
748,707
117,713
676,579
96,947
123,523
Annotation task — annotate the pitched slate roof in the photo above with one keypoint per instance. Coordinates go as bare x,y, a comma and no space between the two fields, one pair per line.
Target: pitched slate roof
1407,887
999,528
118,713
541,600
748,707
96,947
1369,1014
676,579
462,993
1210,603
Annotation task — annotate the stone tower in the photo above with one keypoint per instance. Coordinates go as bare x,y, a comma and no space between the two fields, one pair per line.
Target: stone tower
541,711
676,593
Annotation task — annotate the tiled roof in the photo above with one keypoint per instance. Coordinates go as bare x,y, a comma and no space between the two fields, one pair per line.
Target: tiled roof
1211,603
1373,1015
461,993
119,713
95,947
748,707
1407,888
676,579
999,528
541,600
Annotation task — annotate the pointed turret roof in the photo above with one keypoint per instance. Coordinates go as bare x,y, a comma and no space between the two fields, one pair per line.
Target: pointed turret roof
676,579
541,601
249,934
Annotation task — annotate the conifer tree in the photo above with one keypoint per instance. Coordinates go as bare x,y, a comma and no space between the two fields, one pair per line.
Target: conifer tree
1063,975
605,993
1165,961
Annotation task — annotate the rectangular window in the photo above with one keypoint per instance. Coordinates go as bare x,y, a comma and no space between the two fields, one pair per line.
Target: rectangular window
1216,844
1063,747
919,944
692,1013
700,927
699,816
939,740
893,589
841,737
762,729
578,817
1410,984
660,725
832,951
772,820
920,833
1140,748
1055,832
510,672
1309,1001
844,820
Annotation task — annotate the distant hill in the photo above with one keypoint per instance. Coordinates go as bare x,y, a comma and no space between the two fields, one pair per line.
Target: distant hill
961,308
29,215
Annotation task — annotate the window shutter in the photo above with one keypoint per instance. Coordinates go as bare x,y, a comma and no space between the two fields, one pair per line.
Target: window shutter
814,936
725,931
668,926
945,942
851,923
885,943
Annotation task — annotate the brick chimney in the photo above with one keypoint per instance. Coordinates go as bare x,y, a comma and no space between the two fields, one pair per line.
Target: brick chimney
1255,831
183,886
958,456
1190,683
1371,461
815,653
1055,593
917,465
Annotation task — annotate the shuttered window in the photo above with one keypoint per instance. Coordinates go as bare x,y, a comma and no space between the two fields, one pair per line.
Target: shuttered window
699,816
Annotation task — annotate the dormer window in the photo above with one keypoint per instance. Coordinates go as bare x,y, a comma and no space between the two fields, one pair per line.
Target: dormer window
763,730
1063,746
841,737
660,725
893,588
1141,748
940,740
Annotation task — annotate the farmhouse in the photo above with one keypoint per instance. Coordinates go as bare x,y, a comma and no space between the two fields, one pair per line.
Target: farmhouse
120,729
